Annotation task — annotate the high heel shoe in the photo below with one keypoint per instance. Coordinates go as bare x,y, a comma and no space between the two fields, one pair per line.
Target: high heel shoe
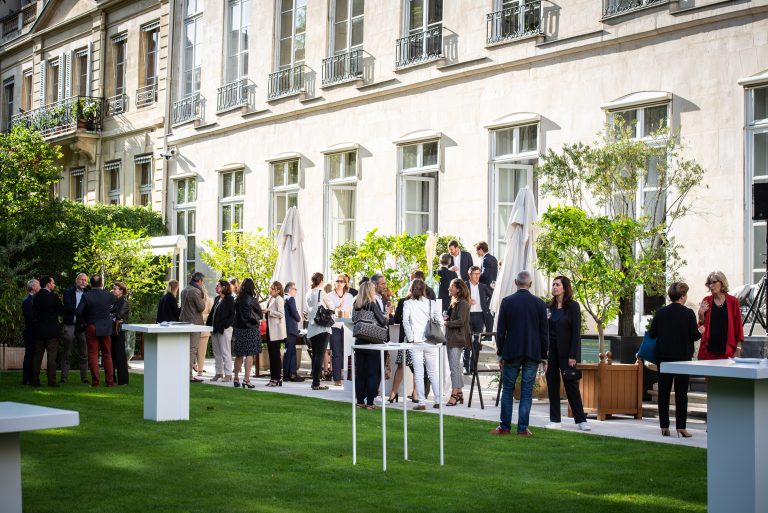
272,383
455,399
279,383
665,432
236,383
684,433
247,384
394,399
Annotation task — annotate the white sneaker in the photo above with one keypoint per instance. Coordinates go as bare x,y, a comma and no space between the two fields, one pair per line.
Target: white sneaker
553,425
583,426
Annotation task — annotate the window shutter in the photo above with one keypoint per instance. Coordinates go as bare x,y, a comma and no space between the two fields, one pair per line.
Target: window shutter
42,83
88,80
60,92
68,75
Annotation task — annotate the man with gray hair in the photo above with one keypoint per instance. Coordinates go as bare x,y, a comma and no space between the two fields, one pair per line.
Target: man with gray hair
73,333
33,286
522,340
192,307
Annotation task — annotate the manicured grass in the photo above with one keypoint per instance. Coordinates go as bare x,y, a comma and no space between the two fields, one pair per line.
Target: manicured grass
245,451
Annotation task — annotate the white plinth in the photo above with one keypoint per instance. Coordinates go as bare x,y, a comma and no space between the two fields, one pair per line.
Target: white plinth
737,433
15,418
166,369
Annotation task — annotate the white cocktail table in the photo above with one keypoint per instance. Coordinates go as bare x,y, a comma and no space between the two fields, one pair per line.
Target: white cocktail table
15,418
737,433
391,346
166,369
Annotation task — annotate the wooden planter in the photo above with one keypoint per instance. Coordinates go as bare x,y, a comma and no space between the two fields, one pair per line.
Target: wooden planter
611,388
12,358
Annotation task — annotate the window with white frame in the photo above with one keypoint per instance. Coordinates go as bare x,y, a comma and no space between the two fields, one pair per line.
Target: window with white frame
186,221
231,203
119,46
346,26
80,72
26,90
417,187
191,59
422,15
8,101
757,173
291,33
150,49
514,153
54,90
112,181
143,164
238,16
285,190
341,196
77,184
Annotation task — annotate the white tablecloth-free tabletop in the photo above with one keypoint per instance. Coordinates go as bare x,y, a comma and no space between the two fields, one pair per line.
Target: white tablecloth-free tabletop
15,418
392,346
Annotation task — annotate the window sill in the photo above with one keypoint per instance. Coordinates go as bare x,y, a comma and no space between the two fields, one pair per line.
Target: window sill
254,113
277,99
676,8
440,60
380,83
608,18
205,126
463,64
357,81
243,108
537,36
195,121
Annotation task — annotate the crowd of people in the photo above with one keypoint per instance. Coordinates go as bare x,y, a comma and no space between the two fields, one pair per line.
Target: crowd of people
86,323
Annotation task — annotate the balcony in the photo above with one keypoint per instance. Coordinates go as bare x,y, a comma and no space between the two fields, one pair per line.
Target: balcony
117,104
616,7
14,24
343,68
65,117
233,95
146,96
513,23
419,47
187,109
286,82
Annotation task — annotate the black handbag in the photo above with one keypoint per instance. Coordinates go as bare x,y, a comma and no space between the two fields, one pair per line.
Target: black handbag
571,374
323,315
365,327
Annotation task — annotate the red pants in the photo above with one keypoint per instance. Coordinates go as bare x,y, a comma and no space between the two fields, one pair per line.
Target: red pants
94,344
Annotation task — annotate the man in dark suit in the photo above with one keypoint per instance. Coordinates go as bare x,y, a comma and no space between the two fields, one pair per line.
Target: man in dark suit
489,266
480,318
292,320
446,276
522,340
46,309
418,274
461,260
93,311
73,334
33,287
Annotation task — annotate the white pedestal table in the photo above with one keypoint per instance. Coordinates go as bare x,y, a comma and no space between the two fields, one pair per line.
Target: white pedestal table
737,433
166,369
391,346
15,418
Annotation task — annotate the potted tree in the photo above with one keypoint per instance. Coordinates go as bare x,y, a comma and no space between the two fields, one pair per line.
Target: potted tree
86,111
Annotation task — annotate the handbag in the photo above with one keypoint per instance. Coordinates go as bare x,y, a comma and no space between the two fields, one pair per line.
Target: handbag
365,327
647,351
571,374
433,334
323,315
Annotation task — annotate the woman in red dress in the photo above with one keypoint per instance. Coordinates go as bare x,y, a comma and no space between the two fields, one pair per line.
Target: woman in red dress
719,321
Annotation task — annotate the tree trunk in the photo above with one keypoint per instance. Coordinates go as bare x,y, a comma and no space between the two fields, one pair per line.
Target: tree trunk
600,340
627,317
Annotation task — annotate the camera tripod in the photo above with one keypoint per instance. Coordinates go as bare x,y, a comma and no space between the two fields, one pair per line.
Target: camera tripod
756,311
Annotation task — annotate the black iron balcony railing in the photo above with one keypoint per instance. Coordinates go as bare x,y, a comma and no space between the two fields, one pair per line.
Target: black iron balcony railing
612,7
117,104
419,47
286,82
146,95
186,109
64,117
513,22
343,67
232,95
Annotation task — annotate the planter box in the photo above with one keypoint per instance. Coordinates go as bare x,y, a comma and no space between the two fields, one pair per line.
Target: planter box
611,388
12,358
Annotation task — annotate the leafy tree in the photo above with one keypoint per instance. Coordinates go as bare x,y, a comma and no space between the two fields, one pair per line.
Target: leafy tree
595,252
243,255
13,275
604,180
124,254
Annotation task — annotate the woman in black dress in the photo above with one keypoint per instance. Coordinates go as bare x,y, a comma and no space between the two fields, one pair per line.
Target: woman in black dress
169,310
246,337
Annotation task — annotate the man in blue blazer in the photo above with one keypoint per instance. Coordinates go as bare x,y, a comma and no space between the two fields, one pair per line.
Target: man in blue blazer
73,334
93,311
292,320
489,266
522,340
461,260
46,310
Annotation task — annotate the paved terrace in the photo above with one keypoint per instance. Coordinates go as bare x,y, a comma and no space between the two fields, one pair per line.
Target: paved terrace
646,429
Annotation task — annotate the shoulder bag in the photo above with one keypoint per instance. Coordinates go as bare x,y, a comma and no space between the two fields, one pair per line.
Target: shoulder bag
571,374
433,334
647,351
323,316
366,328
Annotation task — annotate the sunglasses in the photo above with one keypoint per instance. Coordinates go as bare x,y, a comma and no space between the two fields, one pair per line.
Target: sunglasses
340,281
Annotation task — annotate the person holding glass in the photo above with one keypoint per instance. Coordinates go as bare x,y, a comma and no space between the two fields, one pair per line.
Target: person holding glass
342,306
458,335
221,319
118,312
719,321
276,332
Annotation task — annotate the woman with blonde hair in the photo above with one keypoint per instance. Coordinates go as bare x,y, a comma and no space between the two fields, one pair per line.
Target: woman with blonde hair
169,310
719,321
342,305
367,363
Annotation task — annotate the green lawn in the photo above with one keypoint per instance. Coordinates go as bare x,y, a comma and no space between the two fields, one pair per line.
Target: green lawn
245,451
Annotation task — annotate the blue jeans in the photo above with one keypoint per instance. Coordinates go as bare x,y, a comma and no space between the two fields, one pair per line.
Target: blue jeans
508,377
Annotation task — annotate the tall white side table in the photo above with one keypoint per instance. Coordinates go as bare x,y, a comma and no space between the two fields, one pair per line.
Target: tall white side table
737,433
392,346
166,369
15,418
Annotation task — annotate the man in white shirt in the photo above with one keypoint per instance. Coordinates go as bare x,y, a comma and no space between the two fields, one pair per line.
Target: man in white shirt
461,261
480,319
72,334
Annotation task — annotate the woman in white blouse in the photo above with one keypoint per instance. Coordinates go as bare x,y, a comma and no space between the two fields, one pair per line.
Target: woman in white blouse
342,306
316,334
276,331
417,312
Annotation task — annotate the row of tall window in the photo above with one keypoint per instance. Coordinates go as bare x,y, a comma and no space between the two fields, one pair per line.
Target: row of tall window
115,182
